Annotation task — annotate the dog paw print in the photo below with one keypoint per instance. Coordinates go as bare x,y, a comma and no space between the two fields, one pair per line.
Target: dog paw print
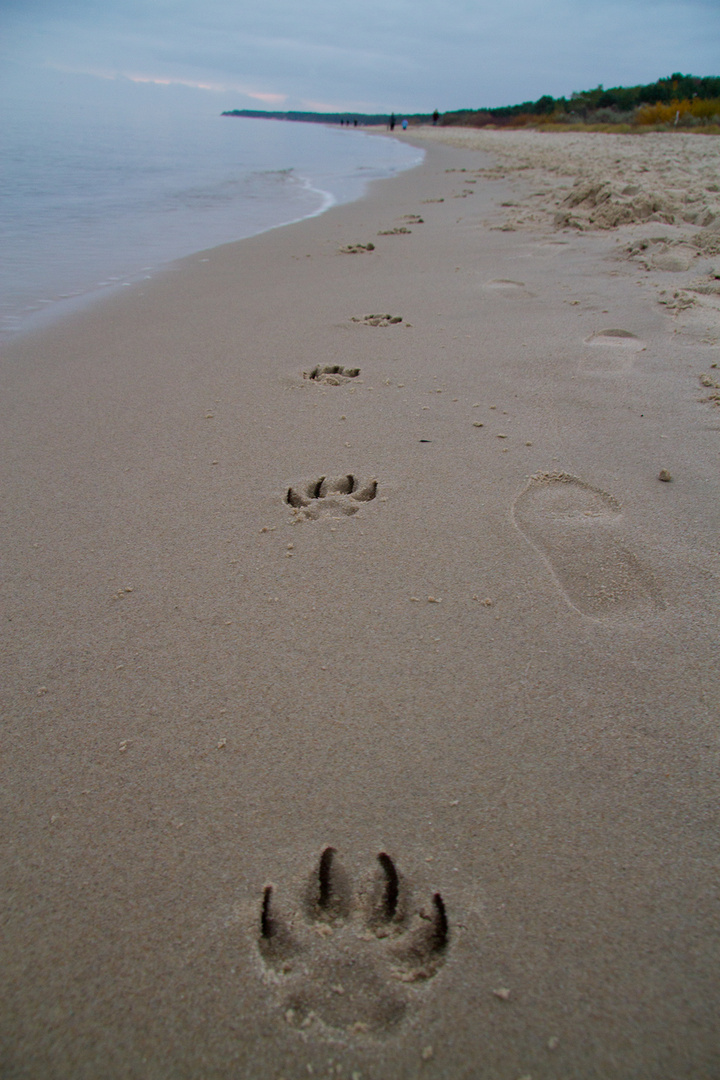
377,320
331,374
356,249
352,960
331,495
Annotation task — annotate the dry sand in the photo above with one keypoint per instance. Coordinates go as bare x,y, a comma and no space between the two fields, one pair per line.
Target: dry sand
442,609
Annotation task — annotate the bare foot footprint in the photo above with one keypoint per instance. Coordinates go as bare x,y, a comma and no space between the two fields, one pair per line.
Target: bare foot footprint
578,529
623,339
507,287
351,961
330,495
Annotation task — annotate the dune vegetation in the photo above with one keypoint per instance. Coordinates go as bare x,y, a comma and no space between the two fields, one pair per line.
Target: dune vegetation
678,101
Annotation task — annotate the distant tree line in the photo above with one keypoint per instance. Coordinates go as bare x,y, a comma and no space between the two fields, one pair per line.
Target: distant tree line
685,98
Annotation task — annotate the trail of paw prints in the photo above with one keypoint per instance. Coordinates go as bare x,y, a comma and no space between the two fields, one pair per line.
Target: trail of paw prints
578,529
331,495
466,180
352,961
331,374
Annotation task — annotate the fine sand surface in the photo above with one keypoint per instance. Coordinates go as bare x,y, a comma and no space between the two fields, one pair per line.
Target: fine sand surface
439,609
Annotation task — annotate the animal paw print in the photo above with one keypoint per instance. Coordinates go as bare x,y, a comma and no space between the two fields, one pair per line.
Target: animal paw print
352,960
377,320
356,249
330,495
331,374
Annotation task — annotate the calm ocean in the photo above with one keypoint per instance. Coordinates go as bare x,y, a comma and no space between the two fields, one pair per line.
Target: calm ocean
91,199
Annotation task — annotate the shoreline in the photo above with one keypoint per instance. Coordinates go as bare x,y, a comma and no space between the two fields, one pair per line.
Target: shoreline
66,307
64,303
225,652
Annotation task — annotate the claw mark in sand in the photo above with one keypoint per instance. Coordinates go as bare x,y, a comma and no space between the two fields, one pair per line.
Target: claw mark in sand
392,886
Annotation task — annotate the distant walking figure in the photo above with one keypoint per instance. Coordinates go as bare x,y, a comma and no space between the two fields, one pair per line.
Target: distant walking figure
392,121
436,117
404,125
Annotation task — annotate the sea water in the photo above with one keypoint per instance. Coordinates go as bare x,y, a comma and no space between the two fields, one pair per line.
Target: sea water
93,199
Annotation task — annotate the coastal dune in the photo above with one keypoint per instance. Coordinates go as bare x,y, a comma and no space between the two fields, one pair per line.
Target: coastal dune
360,646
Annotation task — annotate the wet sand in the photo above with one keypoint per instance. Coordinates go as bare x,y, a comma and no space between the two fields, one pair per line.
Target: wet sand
265,621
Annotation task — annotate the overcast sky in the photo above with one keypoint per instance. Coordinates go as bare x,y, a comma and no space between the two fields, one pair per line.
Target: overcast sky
360,55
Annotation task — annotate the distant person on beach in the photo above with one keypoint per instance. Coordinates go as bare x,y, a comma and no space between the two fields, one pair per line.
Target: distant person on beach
404,125
392,121
436,117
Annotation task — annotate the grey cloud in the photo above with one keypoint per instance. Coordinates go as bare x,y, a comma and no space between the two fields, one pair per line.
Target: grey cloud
398,54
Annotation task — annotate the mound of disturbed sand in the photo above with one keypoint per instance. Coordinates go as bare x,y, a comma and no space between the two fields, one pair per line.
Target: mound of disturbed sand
615,179
659,192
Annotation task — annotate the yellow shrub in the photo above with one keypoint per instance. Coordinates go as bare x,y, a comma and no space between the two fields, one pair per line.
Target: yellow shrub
661,113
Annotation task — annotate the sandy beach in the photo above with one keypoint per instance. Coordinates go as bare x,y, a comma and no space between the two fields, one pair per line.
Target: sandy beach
390,533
